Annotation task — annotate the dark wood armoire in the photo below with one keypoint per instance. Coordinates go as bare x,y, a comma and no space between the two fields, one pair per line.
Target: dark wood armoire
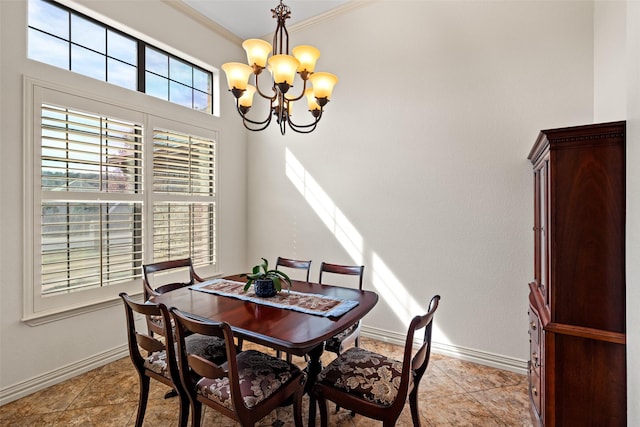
577,366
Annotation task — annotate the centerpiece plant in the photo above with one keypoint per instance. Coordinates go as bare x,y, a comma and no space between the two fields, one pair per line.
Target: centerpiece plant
267,283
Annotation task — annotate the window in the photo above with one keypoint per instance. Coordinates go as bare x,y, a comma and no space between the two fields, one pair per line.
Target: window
111,188
90,236
67,39
183,176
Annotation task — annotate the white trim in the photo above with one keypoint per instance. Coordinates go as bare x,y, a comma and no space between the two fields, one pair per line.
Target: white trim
493,360
37,309
330,14
48,379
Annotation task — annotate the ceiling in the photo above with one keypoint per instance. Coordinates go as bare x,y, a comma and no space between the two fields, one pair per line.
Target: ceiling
253,18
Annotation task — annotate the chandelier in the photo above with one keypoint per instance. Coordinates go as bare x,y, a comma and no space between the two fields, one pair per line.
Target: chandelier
283,68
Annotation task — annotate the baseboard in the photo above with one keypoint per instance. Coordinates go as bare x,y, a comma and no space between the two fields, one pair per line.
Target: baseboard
463,353
56,376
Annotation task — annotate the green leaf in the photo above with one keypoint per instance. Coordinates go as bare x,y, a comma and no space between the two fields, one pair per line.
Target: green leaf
276,283
248,285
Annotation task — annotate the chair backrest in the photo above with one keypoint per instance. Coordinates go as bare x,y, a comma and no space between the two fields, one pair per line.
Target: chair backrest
149,271
294,263
190,364
138,339
420,360
352,270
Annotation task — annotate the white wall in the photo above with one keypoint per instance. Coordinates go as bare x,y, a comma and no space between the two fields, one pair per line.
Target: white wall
633,213
31,356
426,167
610,82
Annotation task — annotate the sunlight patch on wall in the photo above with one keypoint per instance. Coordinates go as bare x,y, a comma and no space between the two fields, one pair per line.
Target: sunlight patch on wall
396,295
343,230
387,285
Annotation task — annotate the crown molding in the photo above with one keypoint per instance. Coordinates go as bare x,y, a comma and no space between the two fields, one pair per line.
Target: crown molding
330,14
184,8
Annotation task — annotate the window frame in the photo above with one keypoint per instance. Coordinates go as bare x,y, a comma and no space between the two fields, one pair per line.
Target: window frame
140,67
39,309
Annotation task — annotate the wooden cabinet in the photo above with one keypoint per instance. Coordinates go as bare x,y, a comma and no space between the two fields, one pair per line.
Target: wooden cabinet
577,366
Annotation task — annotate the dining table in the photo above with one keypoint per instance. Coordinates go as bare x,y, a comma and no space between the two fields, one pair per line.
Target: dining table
290,329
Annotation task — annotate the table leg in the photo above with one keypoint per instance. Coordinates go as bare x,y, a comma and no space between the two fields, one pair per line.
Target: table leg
314,366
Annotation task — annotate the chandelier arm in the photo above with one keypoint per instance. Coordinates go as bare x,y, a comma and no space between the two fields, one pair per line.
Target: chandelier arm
246,119
304,88
265,96
244,122
308,128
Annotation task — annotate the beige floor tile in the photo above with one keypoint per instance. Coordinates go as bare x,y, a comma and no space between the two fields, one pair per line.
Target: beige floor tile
510,404
474,377
458,410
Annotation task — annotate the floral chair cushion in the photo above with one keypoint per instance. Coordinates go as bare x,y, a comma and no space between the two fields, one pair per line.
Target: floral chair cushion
260,376
157,362
367,375
333,343
211,348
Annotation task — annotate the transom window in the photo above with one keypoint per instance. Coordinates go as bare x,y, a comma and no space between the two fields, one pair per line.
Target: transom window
64,38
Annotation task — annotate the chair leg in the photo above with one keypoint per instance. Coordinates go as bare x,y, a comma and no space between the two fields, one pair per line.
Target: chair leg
297,408
196,414
324,416
184,412
413,403
142,401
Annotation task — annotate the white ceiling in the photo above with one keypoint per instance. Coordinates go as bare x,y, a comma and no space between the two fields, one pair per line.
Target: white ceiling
253,18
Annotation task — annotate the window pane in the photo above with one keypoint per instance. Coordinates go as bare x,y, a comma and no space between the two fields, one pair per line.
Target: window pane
49,18
201,101
48,49
201,80
88,34
157,62
183,230
87,153
88,245
180,72
180,94
157,86
122,74
89,63
123,48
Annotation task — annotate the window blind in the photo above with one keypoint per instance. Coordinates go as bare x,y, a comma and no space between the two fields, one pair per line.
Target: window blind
184,182
91,210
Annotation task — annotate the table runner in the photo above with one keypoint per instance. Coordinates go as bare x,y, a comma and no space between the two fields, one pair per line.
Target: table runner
317,304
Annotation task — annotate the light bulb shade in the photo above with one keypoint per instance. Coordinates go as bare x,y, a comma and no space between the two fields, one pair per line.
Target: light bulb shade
283,68
307,55
323,84
311,100
257,51
246,100
237,75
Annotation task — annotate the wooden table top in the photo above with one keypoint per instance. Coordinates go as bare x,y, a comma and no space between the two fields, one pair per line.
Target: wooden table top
282,329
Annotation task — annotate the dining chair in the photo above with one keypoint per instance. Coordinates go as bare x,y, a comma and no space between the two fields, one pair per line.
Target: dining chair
374,385
250,385
160,363
351,335
180,273
294,263
154,285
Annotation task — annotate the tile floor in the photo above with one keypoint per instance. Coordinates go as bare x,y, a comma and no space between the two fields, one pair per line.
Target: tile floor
452,393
